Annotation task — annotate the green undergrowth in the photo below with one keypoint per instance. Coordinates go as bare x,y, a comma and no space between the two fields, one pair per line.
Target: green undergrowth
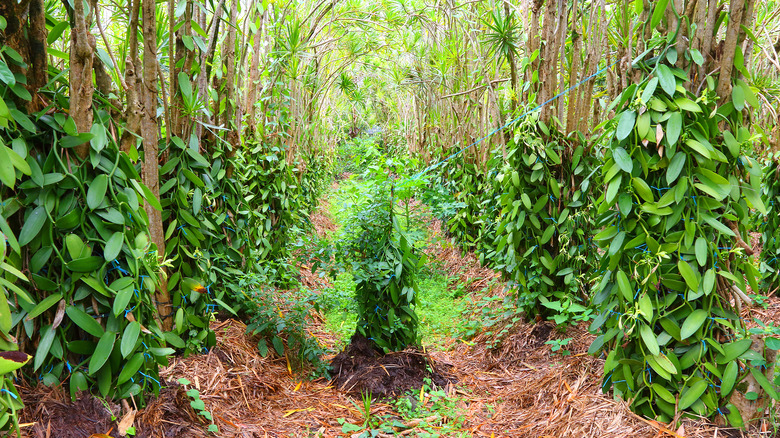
441,299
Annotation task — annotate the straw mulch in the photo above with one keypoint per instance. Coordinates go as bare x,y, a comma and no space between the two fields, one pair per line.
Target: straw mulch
537,393
254,396
464,268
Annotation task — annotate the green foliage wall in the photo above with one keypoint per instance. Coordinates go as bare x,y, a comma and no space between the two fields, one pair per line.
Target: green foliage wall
770,228
82,299
542,242
680,182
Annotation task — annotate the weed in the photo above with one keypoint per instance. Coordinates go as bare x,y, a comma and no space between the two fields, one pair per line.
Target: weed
198,405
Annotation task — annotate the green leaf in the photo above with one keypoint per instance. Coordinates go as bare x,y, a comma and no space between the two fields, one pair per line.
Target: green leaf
648,337
44,345
32,226
12,360
692,393
687,104
121,300
666,79
7,172
104,347
673,128
729,378
642,189
623,160
56,31
696,56
738,98
44,305
675,167
6,75
97,191
184,83
624,285
688,274
131,367
84,321
626,124
765,383
130,338
85,264
701,251
693,322
658,13
113,246
714,223
663,393
652,84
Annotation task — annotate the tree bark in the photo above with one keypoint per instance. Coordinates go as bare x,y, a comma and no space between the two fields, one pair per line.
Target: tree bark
133,110
150,172
37,74
230,85
82,49
737,8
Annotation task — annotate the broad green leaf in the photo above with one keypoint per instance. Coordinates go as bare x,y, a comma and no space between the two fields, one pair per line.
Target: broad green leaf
130,338
648,337
625,124
652,84
662,392
84,321
12,360
692,393
687,104
693,322
717,225
623,160
44,305
121,300
674,128
765,383
701,251
113,246
85,264
666,79
675,167
642,189
658,13
646,307
32,226
44,345
738,98
97,191
729,378
688,274
624,285
708,281
104,347
131,367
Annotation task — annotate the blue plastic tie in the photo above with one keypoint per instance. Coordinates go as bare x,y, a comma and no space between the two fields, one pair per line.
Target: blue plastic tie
10,393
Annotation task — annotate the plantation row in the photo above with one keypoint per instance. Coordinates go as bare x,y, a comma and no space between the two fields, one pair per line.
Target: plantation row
644,230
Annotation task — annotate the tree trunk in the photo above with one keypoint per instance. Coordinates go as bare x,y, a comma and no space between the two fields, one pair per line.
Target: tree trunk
254,77
37,74
150,172
82,49
737,8
134,83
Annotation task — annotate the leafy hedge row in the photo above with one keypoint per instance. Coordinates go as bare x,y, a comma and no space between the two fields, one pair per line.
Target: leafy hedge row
79,273
646,233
